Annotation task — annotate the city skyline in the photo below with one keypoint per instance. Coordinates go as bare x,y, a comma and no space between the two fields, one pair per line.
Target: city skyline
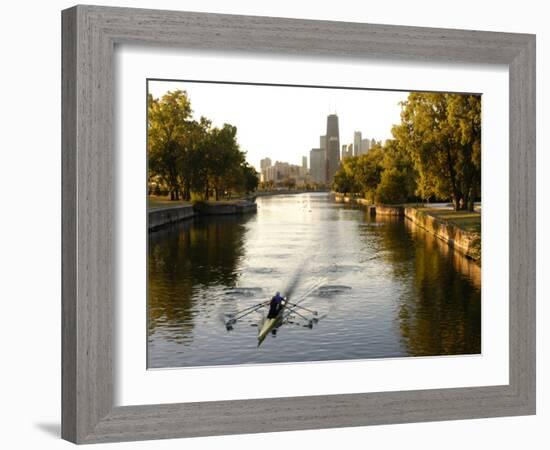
323,161
285,123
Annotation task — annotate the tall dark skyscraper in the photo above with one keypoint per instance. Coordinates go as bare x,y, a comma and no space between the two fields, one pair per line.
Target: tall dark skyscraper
332,146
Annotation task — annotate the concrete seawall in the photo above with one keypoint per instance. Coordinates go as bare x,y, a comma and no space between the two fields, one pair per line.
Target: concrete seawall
164,216
287,192
465,242
381,210
222,208
339,198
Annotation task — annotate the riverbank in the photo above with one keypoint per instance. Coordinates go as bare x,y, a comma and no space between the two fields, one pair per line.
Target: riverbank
285,192
164,213
460,230
384,291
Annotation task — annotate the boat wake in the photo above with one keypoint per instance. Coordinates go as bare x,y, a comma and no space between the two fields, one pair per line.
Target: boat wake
331,290
244,291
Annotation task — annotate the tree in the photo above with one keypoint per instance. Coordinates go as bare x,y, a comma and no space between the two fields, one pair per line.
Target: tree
344,178
167,134
425,187
391,187
250,176
398,180
360,174
200,158
464,116
193,156
442,135
226,160
369,172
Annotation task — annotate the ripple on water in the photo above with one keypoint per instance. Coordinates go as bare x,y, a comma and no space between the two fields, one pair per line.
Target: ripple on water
244,291
383,293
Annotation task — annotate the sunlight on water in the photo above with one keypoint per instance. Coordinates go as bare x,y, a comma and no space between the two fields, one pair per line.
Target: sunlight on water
380,287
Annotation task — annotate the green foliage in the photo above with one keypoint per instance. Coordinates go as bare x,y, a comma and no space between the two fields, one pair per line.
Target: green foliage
369,171
167,138
360,174
442,135
192,158
390,189
398,178
250,177
436,152
344,178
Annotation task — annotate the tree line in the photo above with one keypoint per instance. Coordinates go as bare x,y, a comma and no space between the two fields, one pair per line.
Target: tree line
191,158
435,153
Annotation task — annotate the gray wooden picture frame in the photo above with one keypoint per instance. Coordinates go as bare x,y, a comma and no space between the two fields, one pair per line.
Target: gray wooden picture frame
90,34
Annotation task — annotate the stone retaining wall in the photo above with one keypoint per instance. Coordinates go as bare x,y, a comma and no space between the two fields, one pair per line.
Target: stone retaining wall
467,243
222,208
164,216
344,199
384,210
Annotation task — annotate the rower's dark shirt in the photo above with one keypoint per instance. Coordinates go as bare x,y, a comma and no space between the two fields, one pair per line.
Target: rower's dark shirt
274,306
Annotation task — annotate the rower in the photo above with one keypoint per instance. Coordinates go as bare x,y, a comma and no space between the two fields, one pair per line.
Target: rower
275,305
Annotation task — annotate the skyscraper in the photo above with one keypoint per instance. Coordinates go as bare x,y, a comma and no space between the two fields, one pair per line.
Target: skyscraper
304,162
347,151
332,146
323,142
366,144
357,143
317,165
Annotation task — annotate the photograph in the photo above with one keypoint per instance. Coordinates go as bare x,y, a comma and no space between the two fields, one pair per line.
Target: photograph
295,223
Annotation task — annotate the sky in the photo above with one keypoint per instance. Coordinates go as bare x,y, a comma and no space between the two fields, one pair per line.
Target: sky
285,123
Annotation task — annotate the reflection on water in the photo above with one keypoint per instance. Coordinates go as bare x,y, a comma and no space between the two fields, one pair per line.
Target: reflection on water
381,286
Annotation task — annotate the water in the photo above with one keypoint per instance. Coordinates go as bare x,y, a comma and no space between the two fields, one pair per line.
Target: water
382,288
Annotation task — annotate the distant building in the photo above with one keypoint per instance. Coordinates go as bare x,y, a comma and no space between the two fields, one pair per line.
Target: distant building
360,146
356,143
332,146
317,165
365,146
323,146
265,163
347,151
304,162
282,174
323,142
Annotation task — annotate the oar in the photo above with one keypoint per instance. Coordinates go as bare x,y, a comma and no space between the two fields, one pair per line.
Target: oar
251,307
304,308
309,321
304,296
240,316
309,291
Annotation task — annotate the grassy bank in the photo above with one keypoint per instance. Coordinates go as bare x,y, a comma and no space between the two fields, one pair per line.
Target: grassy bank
465,220
160,202
459,229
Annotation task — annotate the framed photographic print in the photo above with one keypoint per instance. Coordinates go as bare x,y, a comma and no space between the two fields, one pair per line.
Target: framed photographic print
328,223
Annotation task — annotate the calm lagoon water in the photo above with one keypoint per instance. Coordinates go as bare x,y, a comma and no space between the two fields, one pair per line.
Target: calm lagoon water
382,287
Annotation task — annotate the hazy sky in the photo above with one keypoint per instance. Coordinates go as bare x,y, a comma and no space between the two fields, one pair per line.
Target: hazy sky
284,123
